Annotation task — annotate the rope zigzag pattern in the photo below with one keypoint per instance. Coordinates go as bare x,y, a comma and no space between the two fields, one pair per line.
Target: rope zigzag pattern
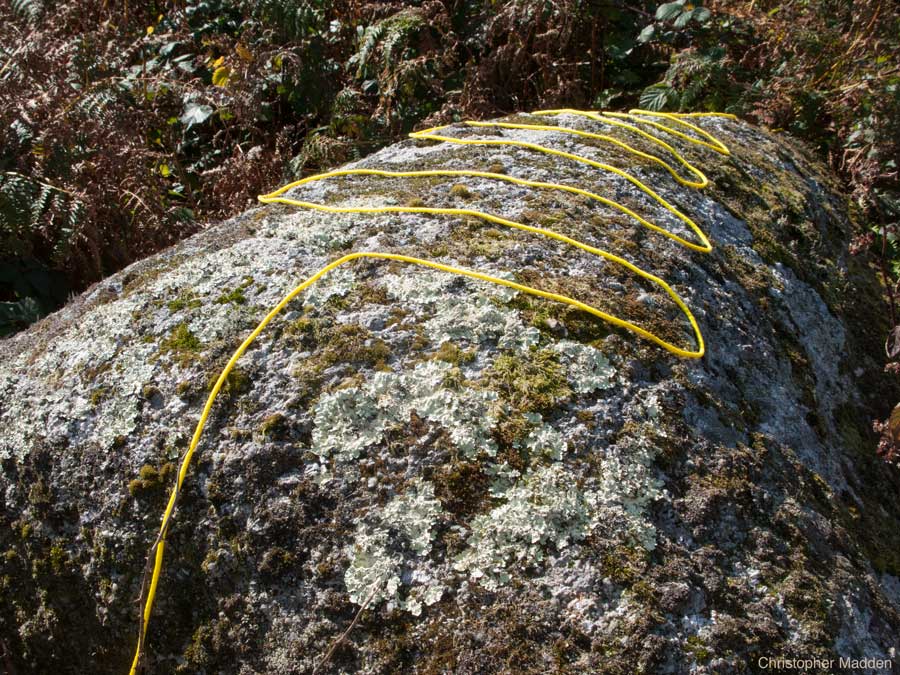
678,126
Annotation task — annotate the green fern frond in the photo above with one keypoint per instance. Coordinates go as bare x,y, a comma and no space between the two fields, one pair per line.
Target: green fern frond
74,213
22,131
40,205
96,103
296,20
30,10
16,195
368,44
32,210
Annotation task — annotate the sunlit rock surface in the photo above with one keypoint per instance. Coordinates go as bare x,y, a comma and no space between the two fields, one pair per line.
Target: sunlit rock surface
511,485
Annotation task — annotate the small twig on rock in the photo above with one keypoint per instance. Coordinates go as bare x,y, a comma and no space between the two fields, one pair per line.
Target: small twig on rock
343,635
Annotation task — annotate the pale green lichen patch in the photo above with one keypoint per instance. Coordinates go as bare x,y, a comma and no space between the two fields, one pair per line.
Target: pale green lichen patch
337,283
466,414
543,509
474,316
349,421
346,423
587,367
478,319
413,514
374,572
91,379
378,560
417,287
627,485
544,440
334,233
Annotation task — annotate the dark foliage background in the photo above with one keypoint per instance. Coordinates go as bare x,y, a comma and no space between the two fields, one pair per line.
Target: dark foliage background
127,125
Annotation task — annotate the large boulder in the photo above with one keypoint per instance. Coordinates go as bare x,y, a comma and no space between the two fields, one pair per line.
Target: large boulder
505,483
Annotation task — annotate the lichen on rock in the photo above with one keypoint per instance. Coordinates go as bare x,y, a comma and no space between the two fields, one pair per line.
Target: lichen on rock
348,421
498,479
542,509
461,318
376,573
588,368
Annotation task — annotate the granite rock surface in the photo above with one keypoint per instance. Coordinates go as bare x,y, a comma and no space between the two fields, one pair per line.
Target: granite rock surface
507,484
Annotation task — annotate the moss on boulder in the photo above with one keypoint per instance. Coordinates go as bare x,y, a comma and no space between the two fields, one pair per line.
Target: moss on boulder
510,482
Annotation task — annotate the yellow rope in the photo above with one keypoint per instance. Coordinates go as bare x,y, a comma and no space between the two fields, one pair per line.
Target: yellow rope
157,551
274,197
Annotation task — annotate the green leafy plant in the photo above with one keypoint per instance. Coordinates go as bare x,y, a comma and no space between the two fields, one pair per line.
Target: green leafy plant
658,97
672,17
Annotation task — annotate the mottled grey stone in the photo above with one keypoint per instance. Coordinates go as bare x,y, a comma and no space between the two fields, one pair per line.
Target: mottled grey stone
433,437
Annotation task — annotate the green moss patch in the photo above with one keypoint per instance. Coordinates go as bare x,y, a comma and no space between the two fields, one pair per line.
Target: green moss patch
151,480
182,345
187,299
236,295
533,381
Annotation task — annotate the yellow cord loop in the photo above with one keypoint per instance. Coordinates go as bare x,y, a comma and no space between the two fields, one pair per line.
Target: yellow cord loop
696,136
701,183
275,197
